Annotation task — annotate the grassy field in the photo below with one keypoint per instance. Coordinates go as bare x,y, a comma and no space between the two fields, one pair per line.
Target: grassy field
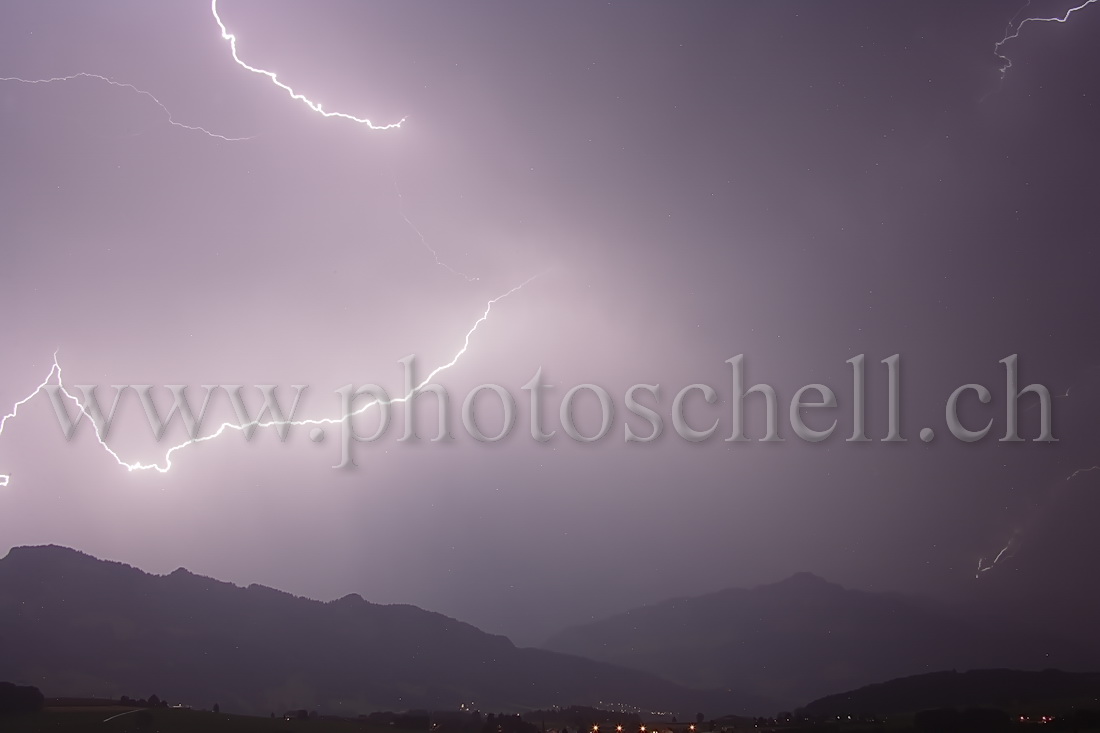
167,720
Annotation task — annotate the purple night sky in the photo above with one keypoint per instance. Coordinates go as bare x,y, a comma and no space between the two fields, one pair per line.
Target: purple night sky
796,182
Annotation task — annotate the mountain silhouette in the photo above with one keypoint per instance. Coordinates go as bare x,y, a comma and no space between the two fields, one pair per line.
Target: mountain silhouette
804,637
1047,691
74,625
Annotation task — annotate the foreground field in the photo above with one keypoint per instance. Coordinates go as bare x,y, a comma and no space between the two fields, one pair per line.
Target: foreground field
166,720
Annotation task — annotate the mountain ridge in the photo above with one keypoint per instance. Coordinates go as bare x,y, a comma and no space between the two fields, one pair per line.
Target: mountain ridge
804,637
1050,690
73,624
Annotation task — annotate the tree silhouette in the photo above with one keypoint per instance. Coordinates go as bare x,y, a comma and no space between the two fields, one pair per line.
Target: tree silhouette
16,699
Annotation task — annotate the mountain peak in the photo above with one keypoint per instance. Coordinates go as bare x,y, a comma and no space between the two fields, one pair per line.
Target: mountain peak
804,580
34,552
803,637
351,599
52,558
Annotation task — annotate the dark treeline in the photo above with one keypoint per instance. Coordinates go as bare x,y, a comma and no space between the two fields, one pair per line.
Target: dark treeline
17,699
456,722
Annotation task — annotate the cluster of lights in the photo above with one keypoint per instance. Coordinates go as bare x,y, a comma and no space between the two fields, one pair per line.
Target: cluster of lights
641,729
1041,720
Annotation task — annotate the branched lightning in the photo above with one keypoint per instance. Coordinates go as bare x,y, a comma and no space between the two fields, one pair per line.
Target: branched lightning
983,568
424,240
328,420
1013,31
112,82
4,478
55,369
164,465
315,106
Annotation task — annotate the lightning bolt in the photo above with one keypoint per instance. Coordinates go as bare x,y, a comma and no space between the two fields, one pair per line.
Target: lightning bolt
983,568
166,463
4,478
1082,470
123,85
55,369
423,239
1013,31
315,106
